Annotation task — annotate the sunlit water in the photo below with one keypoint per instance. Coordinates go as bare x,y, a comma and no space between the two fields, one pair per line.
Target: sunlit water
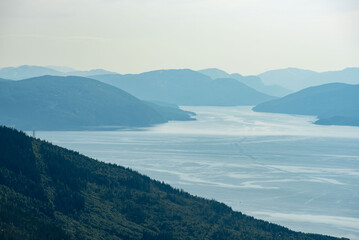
276,167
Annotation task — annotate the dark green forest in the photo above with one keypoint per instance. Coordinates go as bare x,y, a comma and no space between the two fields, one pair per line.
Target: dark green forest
48,192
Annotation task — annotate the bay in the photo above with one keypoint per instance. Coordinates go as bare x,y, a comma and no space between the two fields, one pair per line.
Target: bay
276,167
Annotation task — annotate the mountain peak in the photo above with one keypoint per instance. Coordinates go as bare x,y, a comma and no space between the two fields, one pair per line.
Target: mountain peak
214,73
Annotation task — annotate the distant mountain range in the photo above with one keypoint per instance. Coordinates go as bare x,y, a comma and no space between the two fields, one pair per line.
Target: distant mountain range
277,83
185,87
333,103
89,73
25,71
202,88
48,192
251,81
296,79
63,69
76,103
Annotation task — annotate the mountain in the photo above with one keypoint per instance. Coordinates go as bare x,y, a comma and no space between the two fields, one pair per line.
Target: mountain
215,73
233,93
333,103
257,83
339,120
74,103
25,71
171,112
185,87
63,69
297,79
48,192
89,73
67,71
251,81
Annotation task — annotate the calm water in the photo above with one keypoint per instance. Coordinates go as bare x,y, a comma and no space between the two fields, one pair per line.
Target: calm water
276,167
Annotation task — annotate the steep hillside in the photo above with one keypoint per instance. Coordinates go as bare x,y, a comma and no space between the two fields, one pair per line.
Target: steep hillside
48,192
73,103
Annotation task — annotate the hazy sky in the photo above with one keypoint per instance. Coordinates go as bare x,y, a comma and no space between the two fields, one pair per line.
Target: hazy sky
130,36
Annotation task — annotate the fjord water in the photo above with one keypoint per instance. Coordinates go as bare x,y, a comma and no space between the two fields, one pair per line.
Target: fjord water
276,167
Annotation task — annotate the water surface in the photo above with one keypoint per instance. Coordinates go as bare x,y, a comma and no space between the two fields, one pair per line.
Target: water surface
277,167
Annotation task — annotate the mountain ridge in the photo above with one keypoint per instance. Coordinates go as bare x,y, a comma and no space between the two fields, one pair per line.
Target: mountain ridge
30,71
74,103
251,81
297,79
184,87
332,103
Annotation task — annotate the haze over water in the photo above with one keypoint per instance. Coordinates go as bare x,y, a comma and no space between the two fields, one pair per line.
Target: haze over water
280,168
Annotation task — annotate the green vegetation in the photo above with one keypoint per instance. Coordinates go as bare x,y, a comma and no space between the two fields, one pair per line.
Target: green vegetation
48,192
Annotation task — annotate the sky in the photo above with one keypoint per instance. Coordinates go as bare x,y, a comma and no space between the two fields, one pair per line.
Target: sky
133,36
